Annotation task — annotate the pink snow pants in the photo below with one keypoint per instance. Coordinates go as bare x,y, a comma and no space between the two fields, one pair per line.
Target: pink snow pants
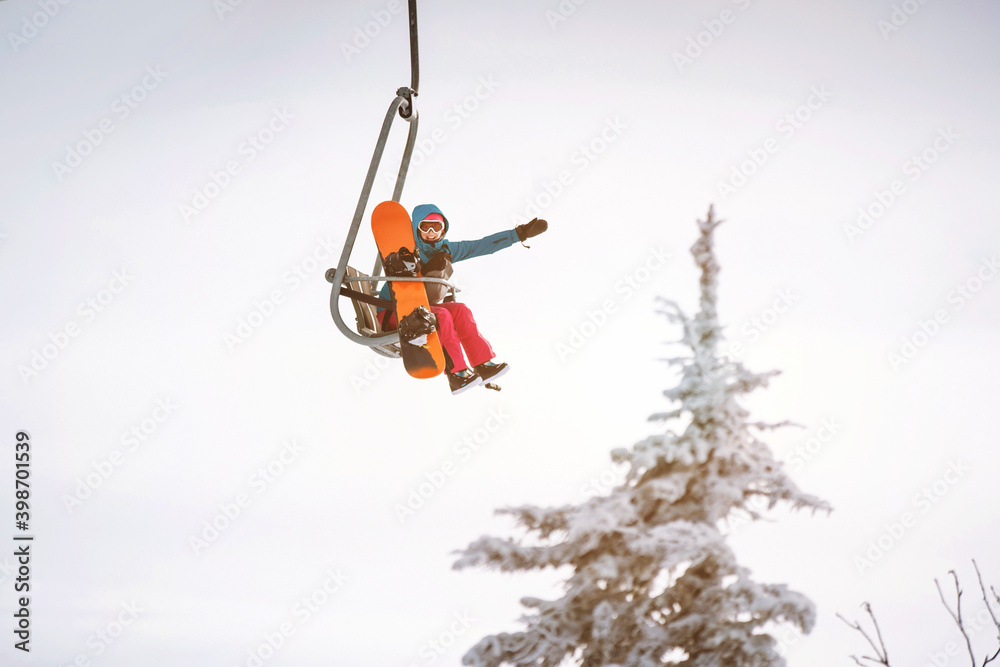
456,330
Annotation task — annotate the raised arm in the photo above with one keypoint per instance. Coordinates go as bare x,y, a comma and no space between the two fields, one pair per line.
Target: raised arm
490,244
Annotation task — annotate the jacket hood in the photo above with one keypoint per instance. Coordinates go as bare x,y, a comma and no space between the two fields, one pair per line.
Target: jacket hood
428,250
421,211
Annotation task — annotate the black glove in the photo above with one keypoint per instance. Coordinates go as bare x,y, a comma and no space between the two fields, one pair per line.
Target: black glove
529,229
438,262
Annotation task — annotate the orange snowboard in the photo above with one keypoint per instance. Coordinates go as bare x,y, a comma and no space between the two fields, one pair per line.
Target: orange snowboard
422,354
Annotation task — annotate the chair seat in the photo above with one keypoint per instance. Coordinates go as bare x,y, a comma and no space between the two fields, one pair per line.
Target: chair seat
367,314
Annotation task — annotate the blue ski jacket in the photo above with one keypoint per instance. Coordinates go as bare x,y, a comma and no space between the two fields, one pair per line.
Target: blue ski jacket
459,250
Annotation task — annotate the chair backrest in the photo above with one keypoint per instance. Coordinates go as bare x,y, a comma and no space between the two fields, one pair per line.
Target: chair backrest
366,313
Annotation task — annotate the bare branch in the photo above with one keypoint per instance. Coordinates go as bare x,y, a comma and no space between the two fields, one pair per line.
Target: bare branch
986,598
989,608
957,617
880,651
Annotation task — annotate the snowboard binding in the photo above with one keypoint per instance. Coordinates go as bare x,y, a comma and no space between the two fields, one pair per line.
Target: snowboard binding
402,264
415,327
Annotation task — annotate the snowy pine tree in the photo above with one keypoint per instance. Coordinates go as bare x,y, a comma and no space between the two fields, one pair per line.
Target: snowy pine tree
652,581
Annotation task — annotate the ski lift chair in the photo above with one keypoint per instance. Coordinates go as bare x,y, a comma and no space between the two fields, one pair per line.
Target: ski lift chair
366,313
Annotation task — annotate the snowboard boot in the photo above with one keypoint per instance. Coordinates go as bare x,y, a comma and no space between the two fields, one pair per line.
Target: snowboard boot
490,371
462,380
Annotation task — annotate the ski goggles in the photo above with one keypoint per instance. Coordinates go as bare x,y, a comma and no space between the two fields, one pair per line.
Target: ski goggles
431,226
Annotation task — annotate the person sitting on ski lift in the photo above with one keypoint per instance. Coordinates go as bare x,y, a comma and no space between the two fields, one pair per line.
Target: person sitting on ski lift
457,328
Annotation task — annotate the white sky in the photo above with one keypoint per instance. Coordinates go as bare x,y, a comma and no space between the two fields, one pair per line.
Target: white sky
675,133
